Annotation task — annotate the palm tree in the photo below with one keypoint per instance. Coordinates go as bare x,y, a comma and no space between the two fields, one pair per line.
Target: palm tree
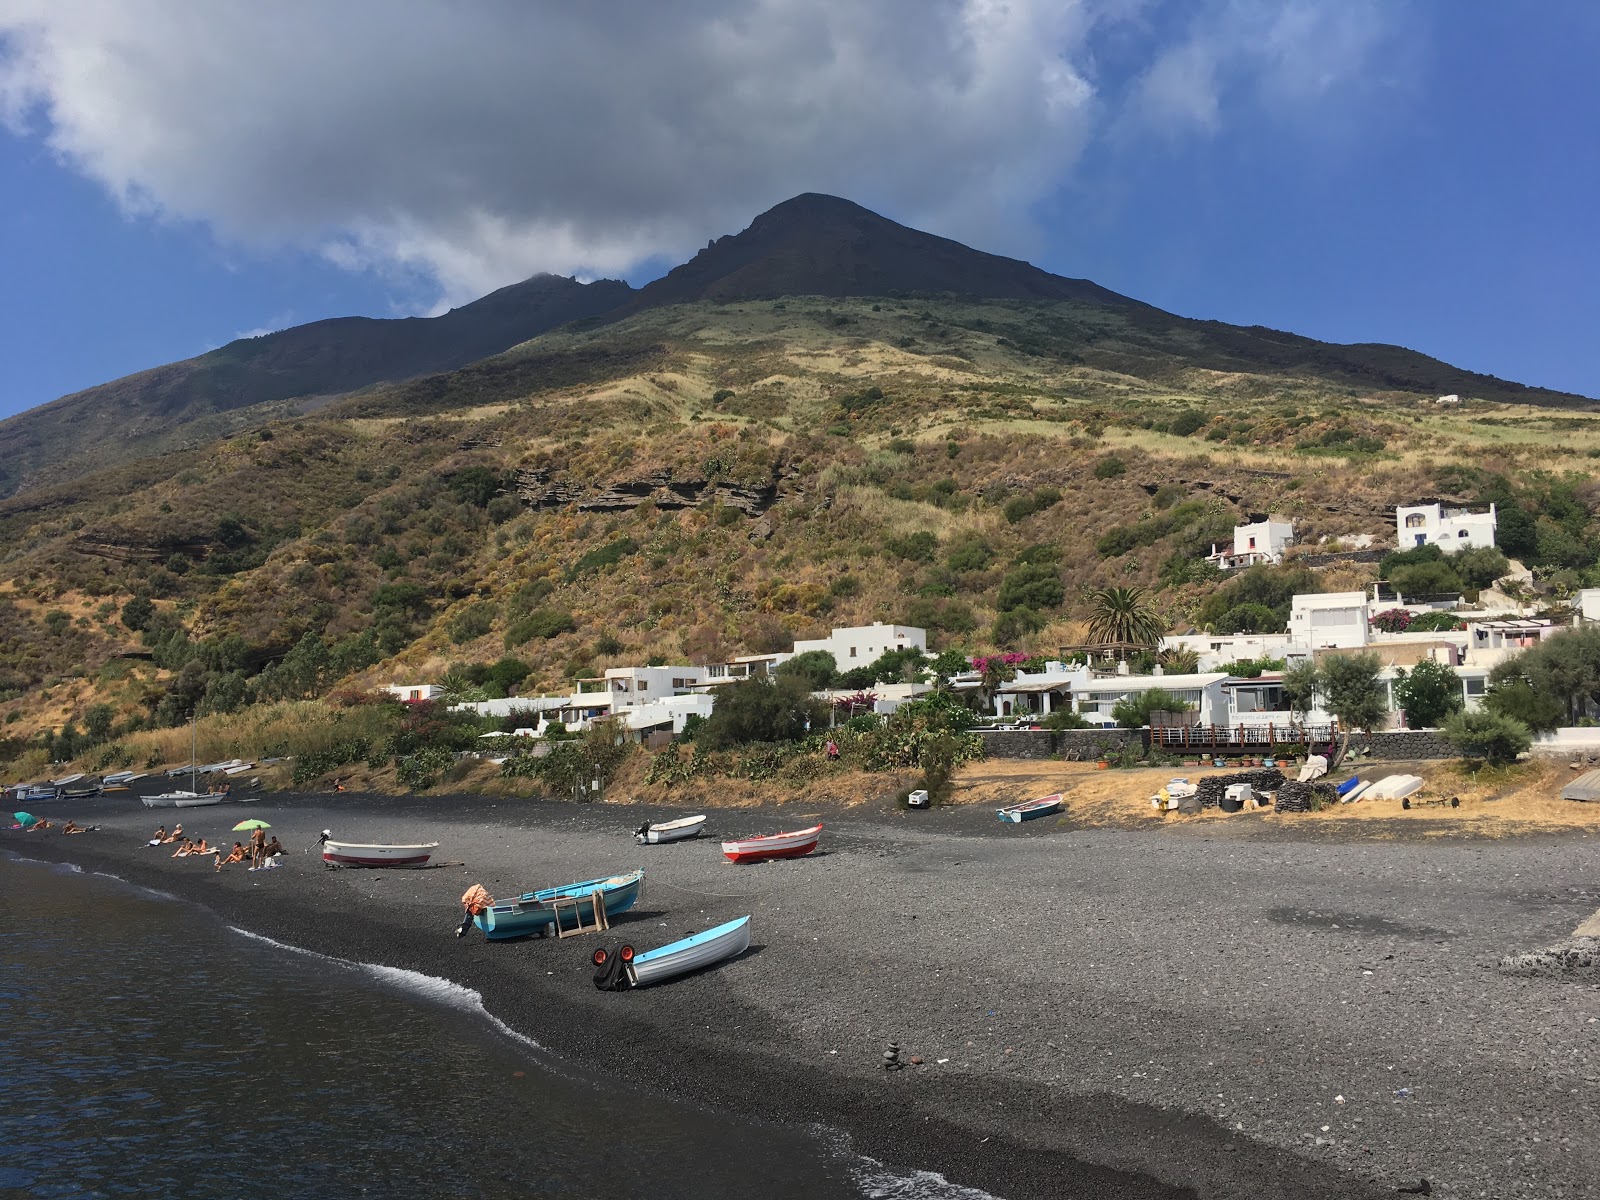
1124,614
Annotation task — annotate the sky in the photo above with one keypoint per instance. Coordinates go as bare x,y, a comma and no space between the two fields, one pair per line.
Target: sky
179,173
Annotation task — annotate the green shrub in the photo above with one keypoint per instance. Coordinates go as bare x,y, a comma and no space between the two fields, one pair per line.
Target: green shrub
1064,718
1031,585
1110,467
471,623
902,446
969,555
601,557
1479,733
1428,693
1188,422
914,547
1019,508
540,623
1133,712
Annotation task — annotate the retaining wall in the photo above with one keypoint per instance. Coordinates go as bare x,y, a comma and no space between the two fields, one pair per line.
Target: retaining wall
1047,743
1405,744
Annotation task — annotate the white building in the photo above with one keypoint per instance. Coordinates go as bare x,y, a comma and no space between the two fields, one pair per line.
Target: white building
1323,620
634,687
862,644
412,692
1450,529
1262,542
1217,649
1095,696
1588,605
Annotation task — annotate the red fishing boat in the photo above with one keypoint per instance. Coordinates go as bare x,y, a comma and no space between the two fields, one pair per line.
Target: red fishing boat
776,845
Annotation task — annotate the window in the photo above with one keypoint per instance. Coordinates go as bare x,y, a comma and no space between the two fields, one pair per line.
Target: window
1416,521
1252,543
1460,533
644,685
852,651
1475,685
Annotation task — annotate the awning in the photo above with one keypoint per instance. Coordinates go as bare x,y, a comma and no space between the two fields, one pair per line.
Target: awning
1035,686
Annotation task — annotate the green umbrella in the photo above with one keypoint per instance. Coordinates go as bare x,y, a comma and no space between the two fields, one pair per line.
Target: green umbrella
24,819
251,824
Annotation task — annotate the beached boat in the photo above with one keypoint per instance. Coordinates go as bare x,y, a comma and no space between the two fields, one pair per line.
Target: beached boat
82,790
692,953
797,844
38,791
670,831
122,778
203,800
177,799
1029,810
572,905
368,854
1394,787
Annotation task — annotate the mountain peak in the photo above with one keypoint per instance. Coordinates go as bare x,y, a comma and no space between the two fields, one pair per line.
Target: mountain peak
819,245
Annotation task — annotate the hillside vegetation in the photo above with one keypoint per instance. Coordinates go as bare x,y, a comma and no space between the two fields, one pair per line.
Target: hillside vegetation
710,479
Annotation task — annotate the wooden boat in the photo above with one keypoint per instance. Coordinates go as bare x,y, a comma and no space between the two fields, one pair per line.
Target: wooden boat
560,907
367,854
81,791
692,953
776,845
179,799
670,831
1029,810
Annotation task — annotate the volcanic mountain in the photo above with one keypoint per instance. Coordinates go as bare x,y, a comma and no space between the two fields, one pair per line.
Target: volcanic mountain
812,245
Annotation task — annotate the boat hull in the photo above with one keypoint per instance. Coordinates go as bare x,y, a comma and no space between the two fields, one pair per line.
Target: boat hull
171,799
1030,811
690,954
535,912
356,854
778,845
672,831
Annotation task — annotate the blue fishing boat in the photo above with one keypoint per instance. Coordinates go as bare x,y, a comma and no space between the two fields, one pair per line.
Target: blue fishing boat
1030,810
699,950
568,907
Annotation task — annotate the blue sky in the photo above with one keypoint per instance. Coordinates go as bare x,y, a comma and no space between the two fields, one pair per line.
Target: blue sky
1424,174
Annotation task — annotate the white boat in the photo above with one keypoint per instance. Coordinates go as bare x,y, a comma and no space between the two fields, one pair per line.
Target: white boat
66,779
370,854
670,831
122,778
1394,787
688,954
179,800
795,844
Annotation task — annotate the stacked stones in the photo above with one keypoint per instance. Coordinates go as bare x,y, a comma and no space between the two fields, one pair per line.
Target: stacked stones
1300,797
1209,790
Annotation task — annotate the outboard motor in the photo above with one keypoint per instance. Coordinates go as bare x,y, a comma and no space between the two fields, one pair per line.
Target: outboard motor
642,833
611,969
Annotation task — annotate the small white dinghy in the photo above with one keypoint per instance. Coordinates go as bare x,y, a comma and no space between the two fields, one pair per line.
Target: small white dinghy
683,828
1394,787
368,854
625,969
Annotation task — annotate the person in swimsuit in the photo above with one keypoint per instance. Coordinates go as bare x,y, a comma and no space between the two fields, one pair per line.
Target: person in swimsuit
185,848
258,848
236,855
159,836
74,827
200,847
175,836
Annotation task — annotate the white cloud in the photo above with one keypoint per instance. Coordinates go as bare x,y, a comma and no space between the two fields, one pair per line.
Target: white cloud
476,142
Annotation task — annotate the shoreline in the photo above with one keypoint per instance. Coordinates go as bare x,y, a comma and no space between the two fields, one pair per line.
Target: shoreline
794,1031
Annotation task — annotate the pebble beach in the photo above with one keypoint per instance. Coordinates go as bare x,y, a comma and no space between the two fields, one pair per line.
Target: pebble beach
1196,1011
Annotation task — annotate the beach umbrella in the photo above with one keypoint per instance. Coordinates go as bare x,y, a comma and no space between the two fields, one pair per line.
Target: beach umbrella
251,824
24,819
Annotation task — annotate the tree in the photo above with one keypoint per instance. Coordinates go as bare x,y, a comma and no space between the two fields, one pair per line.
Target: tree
936,711
1300,684
1351,691
1564,667
136,613
1425,579
950,663
1124,614
1428,693
1033,585
1479,733
97,722
475,485
1179,661
1248,618
1133,712
1480,566
1518,700
760,710
817,668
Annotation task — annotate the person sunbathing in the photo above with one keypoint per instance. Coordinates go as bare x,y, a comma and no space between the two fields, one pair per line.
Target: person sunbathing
74,827
175,836
159,836
45,824
185,848
200,847
236,855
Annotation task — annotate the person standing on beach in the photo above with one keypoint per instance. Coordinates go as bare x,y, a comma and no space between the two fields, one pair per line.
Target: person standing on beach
258,847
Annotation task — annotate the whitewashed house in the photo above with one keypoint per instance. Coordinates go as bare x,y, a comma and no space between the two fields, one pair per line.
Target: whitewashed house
1216,649
862,644
1324,620
1256,544
1450,529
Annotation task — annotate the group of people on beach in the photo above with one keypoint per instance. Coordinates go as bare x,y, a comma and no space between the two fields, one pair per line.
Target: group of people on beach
46,823
262,853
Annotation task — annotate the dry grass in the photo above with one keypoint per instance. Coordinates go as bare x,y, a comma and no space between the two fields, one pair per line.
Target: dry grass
1519,800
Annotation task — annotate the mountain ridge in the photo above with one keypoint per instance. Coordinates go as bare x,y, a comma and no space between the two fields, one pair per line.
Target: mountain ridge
810,245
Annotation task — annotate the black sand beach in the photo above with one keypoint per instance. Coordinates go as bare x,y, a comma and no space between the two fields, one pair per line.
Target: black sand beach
1098,1013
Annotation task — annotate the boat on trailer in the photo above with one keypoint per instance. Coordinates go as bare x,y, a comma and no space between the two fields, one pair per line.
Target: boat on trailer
653,834
624,969
1030,810
569,908
796,844
370,854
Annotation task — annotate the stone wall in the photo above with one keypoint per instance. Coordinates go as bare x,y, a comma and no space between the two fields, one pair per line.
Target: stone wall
1404,744
1048,743
1342,556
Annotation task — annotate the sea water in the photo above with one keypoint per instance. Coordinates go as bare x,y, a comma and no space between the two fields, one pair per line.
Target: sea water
148,1050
